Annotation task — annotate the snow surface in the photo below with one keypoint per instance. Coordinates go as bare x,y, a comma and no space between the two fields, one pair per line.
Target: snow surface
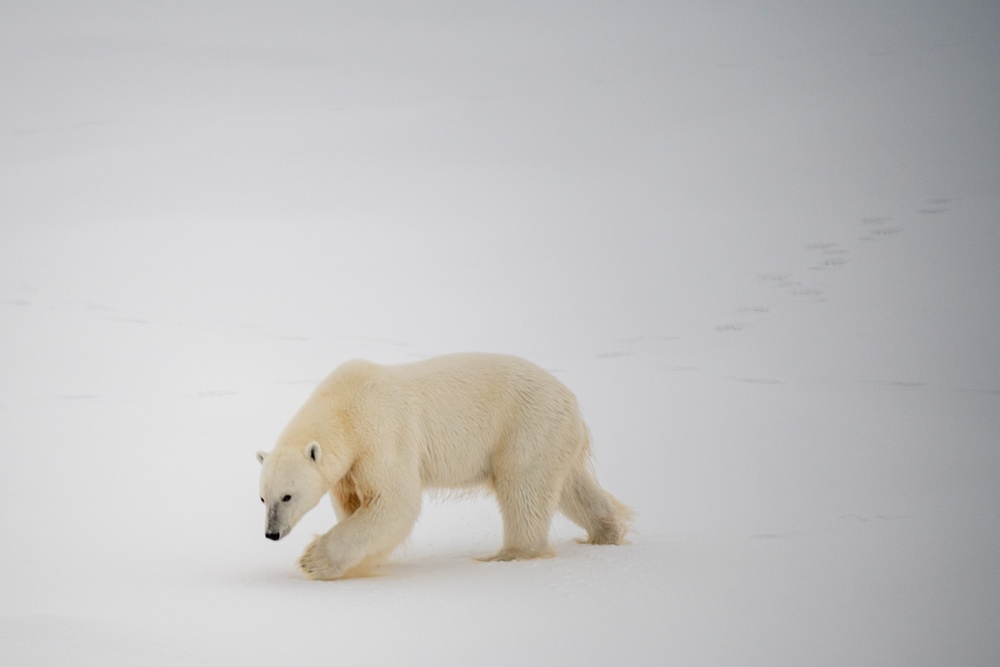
759,240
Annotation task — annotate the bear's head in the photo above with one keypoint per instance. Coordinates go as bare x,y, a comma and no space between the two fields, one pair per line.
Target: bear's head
291,484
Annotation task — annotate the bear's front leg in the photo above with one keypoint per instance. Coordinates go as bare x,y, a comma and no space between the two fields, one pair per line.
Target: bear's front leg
321,559
361,540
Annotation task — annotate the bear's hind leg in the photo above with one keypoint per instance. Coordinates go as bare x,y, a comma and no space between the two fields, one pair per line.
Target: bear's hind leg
592,508
527,504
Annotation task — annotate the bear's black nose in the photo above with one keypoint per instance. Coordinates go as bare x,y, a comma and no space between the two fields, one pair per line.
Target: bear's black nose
272,536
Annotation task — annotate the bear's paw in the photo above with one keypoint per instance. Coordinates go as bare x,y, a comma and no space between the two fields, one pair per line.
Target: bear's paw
316,561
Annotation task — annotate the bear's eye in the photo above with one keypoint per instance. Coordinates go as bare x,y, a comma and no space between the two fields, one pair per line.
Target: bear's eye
286,499
261,500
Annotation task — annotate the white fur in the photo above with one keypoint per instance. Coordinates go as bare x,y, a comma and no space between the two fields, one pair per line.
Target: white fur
375,437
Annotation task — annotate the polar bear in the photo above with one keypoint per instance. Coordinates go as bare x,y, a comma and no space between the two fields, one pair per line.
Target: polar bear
374,437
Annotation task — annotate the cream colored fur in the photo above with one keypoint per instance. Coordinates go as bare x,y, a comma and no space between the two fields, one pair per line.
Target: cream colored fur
374,437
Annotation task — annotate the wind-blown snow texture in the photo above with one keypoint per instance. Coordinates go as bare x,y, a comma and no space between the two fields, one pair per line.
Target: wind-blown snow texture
760,241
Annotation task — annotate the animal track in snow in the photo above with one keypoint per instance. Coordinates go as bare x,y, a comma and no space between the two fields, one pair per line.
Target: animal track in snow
614,354
936,206
773,277
732,327
758,381
743,325
834,256
830,264
881,233
627,347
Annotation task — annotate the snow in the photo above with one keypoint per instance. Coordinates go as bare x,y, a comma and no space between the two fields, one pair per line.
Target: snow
758,240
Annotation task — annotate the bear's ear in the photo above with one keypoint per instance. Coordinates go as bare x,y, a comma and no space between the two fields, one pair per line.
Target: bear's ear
313,451
261,456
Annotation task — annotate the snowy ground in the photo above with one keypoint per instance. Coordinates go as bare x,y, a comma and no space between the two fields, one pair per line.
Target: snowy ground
760,241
